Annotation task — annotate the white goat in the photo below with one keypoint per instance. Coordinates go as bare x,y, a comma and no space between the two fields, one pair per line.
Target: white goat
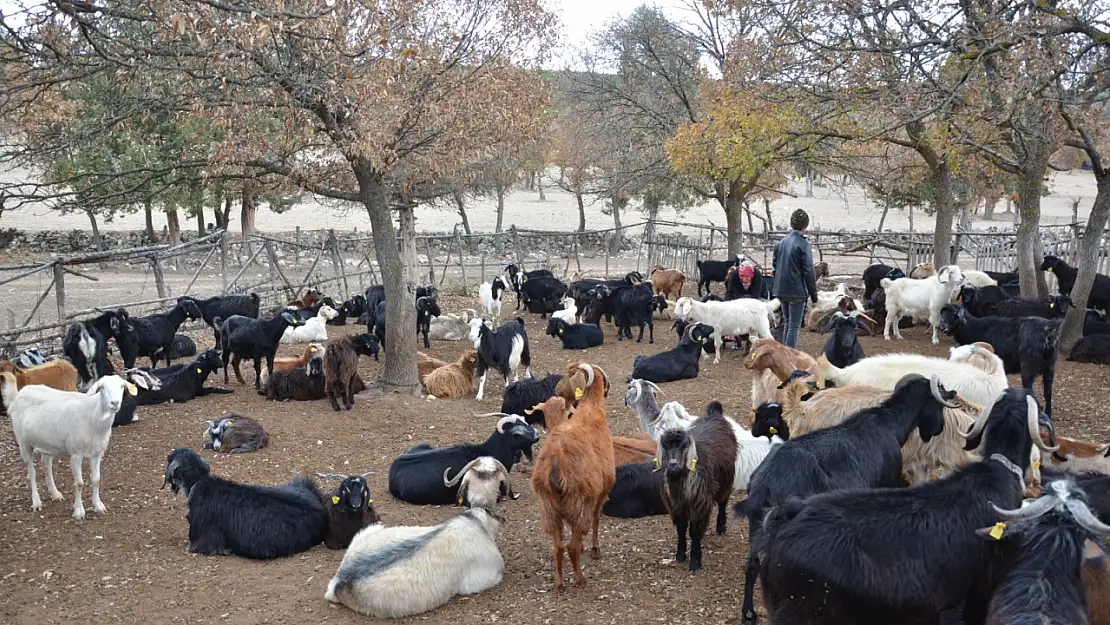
970,382
313,330
392,572
569,313
640,396
978,279
734,318
919,299
490,294
482,482
56,423
451,327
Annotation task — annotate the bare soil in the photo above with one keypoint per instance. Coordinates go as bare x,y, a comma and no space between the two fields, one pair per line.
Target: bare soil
131,564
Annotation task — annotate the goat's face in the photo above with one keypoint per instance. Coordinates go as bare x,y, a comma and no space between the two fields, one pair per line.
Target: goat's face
952,317
353,494
366,344
659,303
556,326
1050,263
210,360
427,306
845,334
895,273
315,367
769,422
677,452
214,433
192,311
184,468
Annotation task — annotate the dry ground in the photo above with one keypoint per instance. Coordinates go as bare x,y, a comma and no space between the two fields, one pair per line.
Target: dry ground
131,565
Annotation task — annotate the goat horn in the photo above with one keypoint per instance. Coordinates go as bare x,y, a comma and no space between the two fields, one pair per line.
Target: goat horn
635,386
1085,518
934,387
860,313
656,387
508,482
328,476
589,373
505,420
1102,448
984,345
980,423
459,475
1032,511
1034,425
365,475
491,414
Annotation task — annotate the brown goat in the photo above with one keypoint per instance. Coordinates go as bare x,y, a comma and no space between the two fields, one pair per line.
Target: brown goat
922,271
1076,456
341,368
574,471
58,374
1096,578
629,450
308,300
425,364
771,363
311,351
453,380
669,282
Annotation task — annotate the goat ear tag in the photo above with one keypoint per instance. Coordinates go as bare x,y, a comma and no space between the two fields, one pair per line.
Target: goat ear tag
578,393
334,500
460,501
1052,304
1050,270
998,530
560,330
693,464
772,430
1037,464
131,389
657,463
199,370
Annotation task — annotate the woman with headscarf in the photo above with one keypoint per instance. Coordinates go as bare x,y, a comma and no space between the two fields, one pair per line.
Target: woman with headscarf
744,281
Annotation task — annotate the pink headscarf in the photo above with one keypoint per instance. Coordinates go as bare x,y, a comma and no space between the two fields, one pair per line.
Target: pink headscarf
745,272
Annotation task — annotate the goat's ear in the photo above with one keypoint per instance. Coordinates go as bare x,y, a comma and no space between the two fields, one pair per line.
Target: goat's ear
829,326
692,456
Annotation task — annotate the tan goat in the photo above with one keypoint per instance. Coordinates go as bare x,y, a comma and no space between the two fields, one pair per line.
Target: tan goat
455,379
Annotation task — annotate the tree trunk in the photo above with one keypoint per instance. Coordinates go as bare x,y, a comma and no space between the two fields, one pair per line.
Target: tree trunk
946,211
988,208
148,213
1029,209
618,203
734,215
539,183
809,182
97,239
407,219
398,371
246,218
500,207
225,219
200,220
460,206
1089,246
174,226
581,212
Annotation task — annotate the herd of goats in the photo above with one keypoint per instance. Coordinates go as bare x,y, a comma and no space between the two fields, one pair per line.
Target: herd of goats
897,488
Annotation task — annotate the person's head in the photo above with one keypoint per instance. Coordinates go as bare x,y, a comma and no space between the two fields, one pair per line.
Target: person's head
799,220
745,273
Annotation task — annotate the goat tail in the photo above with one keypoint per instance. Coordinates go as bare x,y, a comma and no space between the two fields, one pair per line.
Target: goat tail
748,506
885,282
256,299
714,410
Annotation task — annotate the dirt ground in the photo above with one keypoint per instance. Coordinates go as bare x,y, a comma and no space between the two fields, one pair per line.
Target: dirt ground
131,565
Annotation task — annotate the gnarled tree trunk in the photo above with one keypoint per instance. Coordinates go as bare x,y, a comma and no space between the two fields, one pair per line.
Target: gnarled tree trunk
460,206
1089,247
174,226
148,214
581,212
246,218
1029,210
734,215
97,239
946,211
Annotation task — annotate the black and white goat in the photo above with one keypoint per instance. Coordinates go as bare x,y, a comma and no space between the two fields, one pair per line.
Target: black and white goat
874,274
86,344
257,522
575,335
679,363
416,476
503,349
490,295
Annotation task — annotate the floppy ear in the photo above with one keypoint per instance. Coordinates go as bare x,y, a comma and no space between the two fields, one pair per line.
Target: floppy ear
691,460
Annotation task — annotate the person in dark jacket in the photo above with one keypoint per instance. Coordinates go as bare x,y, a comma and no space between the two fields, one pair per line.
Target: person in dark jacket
794,279
743,281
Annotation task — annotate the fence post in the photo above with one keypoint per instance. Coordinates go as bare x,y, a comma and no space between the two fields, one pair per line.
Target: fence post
60,291
483,267
223,262
337,259
159,279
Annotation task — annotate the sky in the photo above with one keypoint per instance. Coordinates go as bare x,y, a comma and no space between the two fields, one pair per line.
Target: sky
582,17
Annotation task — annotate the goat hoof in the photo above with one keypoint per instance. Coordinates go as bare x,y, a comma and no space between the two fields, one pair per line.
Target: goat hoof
36,506
595,553
78,513
694,568
580,582
100,508
57,496
680,557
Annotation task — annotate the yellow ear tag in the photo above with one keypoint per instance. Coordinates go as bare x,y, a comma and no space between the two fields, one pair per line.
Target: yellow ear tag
694,464
131,388
426,313
163,480
560,330
334,500
657,463
229,423
773,431
460,501
1036,464
1052,304
369,501
199,370
578,393
1050,270
998,530
754,356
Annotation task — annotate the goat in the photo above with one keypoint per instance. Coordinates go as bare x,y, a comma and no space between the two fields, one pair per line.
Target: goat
521,397
301,384
633,306
920,299
426,308
144,381
312,330
637,492
667,282
930,528
451,327
308,300
257,522
569,313
575,336
710,271
1077,457
574,470
843,348
182,347
57,374
224,306
640,396
679,363
56,423
690,494
455,379
490,295
341,367
517,279
1026,345
31,357
234,433
425,364
874,274
1003,277
884,371
350,509
483,482
416,476
154,334
771,363
542,295
392,572
978,278
742,316
257,339
982,302
86,344
1094,349
503,349
1051,308
1065,282
181,383
312,350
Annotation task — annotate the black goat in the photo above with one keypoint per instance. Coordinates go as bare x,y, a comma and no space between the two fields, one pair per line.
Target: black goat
154,334
144,382
235,433
182,347
426,308
376,325
863,452
522,397
349,510
638,492
223,307
632,306
1052,308
1093,348
354,307
416,476
679,363
180,383
258,522
575,335
257,339
873,275
827,560
299,384
1003,277
1026,345
843,348
1065,282
86,344
516,279
984,301
769,421
374,295
504,349
542,295
710,271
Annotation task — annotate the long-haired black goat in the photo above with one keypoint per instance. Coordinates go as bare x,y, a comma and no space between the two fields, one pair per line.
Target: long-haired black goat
1094,349
863,452
638,492
258,522
522,397
349,510
828,559
700,465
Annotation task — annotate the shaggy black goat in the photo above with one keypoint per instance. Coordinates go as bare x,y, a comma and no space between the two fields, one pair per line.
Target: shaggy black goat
638,492
183,347
1094,348
300,384
516,278
1052,308
180,383
679,363
258,522
700,465
503,349
828,559
982,302
349,510
341,380
86,344
632,306
863,452
769,421
376,324
542,295
223,307
1065,282
1026,345
575,335
874,274
522,397
426,308
154,334
242,337
234,433
843,348
416,476
710,271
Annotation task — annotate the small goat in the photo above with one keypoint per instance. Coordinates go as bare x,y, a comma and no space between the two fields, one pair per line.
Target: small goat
234,433
350,509
455,379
